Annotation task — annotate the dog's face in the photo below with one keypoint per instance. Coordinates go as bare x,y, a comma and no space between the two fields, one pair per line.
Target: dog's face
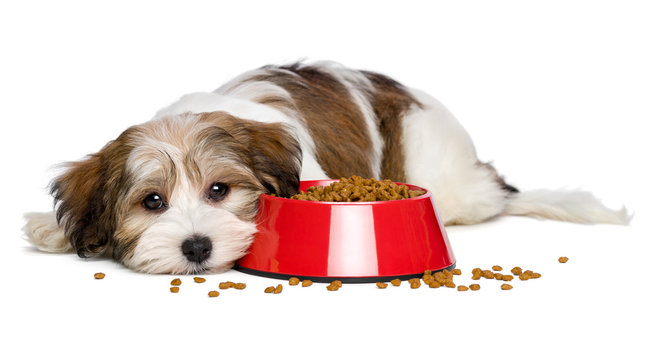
176,195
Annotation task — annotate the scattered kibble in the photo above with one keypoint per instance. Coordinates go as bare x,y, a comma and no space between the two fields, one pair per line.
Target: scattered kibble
278,289
475,287
381,285
306,283
175,289
99,276
269,289
497,268
563,259
334,286
516,271
176,282
396,282
462,288
293,281
213,293
506,287
457,272
199,280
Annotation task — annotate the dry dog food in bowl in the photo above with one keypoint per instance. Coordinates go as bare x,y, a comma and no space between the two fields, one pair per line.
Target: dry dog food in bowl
357,188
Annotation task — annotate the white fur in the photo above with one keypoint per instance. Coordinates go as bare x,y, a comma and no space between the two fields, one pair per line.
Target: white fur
158,249
565,205
43,231
440,156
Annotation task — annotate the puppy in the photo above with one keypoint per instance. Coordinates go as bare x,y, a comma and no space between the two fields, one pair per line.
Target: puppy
179,194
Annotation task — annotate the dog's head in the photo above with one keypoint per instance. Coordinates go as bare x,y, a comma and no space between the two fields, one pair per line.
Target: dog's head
177,194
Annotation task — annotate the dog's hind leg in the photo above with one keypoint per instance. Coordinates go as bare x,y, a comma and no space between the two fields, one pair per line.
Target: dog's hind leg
440,156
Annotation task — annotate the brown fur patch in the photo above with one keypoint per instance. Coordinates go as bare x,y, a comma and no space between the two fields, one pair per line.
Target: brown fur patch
271,151
390,101
342,144
87,197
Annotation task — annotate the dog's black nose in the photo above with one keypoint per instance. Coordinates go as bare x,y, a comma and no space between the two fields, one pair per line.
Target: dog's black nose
197,248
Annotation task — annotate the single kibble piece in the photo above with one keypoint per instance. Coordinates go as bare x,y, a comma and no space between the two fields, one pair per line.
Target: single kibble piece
476,271
199,279
457,272
269,289
524,277
293,281
450,284
396,282
506,287
381,285
427,272
175,289
488,274
507,277
535,275
498,276
239,286
278,289
434,284
99,276
226,285
337,283
497,268
475,287
563,259
462,288
516,271
176,282
415,283
213,293
332,287
306,283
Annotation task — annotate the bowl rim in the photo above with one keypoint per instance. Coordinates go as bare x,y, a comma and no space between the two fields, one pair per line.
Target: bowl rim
427,194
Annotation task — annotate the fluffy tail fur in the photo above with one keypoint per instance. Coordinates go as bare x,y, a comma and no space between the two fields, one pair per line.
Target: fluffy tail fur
573,206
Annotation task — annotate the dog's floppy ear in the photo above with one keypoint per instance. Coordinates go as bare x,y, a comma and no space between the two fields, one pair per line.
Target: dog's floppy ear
86,197
272,149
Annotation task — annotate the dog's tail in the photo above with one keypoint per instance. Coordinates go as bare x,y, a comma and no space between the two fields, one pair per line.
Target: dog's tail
565,205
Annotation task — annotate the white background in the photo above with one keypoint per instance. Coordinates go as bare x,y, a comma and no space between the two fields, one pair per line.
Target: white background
554,92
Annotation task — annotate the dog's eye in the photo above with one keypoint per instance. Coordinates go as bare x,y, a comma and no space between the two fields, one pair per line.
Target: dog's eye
217,191
153,202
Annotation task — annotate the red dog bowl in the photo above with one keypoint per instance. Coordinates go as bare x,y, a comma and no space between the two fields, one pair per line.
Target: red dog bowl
350,241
